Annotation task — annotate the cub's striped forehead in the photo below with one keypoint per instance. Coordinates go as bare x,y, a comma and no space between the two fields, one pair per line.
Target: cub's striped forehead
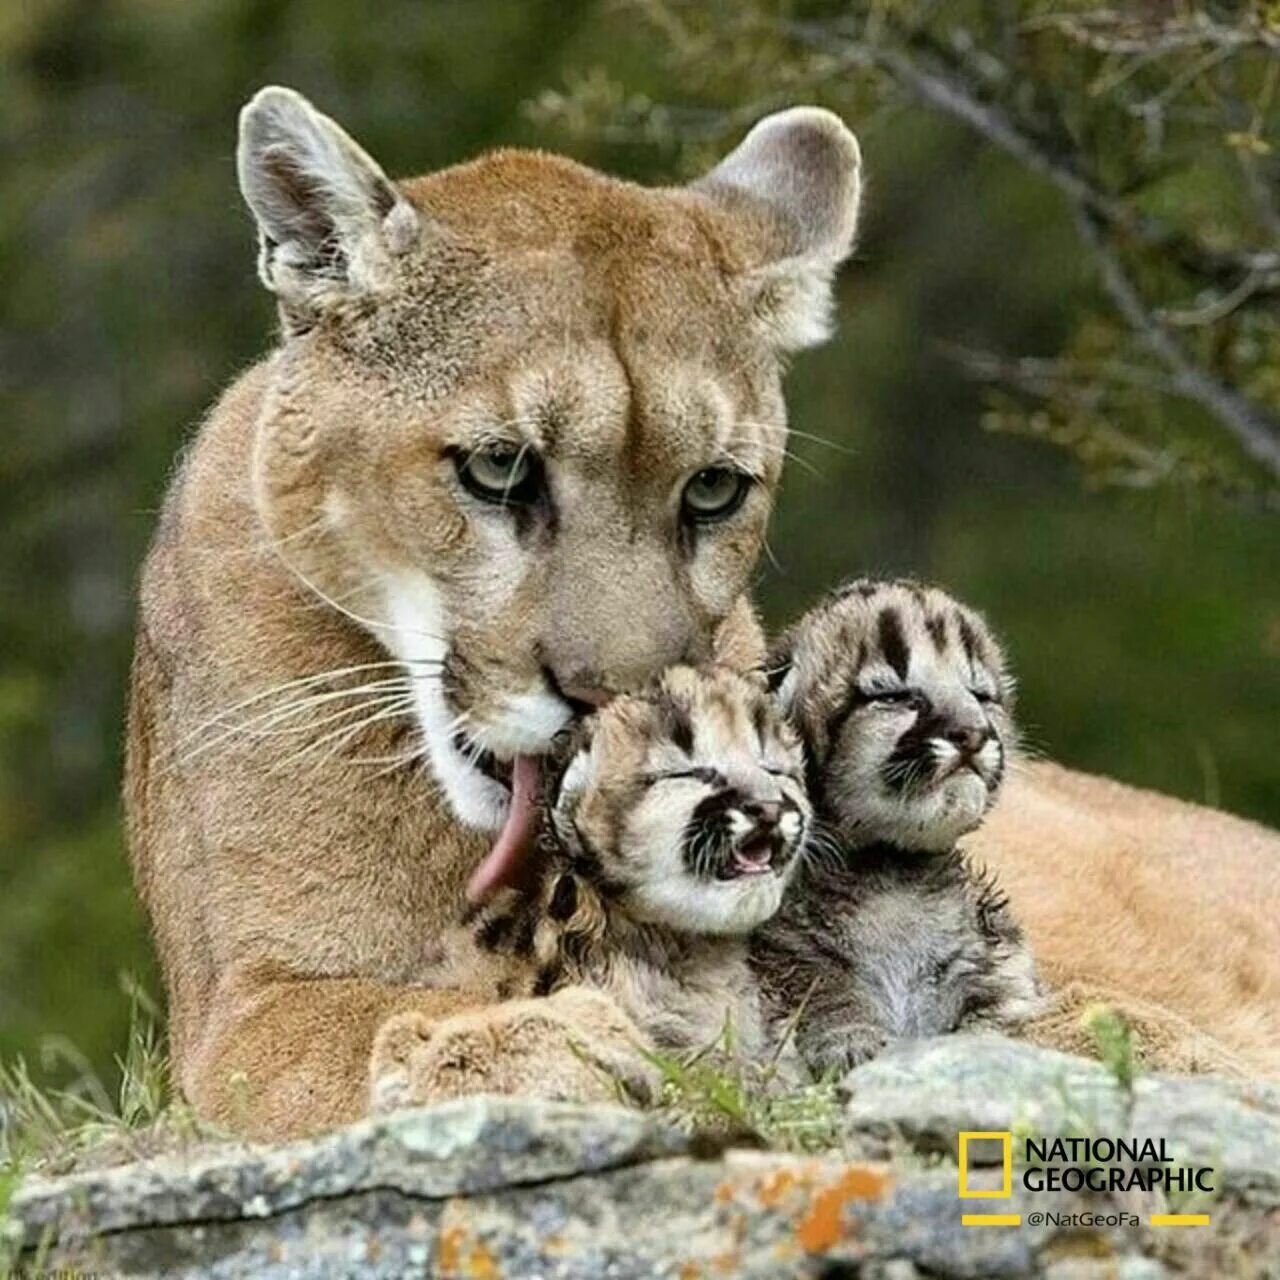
710,707
889,621
883,633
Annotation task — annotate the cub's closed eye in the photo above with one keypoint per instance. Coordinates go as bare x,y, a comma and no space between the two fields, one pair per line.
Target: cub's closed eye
983,696
699,773
896,697
714,493
501,473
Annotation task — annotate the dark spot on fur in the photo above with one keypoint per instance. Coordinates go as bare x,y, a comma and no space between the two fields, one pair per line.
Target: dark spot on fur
893,643
495,931
777,672
761,719
544,984
676,725
706,834
936,625
564,899
522,935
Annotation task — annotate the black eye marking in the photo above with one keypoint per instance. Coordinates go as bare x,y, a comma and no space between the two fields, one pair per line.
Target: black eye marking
893,643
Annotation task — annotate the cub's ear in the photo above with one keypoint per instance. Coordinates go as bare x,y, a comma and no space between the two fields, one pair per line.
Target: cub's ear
329,220
802,169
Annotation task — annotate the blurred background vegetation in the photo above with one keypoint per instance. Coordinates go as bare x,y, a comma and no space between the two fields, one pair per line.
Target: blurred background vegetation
1133,569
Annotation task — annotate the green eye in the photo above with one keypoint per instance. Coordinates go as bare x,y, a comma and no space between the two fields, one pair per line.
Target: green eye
714,493
502,473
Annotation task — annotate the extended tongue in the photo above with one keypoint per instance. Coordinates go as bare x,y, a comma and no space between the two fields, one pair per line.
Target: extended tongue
503,863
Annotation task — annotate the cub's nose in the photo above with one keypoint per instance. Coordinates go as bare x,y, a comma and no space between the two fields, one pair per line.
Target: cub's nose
764,813
968,741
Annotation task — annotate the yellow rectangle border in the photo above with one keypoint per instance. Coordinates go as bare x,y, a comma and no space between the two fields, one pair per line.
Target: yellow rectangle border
1000,1193
990,1219
1178,1220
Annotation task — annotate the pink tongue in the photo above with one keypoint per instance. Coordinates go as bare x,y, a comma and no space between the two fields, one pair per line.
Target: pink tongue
503,863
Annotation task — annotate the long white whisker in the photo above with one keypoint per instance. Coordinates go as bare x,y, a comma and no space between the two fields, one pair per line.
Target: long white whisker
339,714
264,720
343,735
301,682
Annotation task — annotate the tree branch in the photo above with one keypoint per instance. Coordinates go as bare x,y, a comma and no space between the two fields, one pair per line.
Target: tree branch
1255,430
1257,433
938,85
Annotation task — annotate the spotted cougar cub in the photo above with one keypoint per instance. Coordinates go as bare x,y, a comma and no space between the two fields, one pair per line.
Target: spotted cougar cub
904,702
669,831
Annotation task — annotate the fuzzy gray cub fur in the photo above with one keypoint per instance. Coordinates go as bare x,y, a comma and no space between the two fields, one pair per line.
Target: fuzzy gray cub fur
904,702
669,832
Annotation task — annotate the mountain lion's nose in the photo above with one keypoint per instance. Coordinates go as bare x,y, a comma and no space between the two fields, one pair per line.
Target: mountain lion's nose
592,696
581,694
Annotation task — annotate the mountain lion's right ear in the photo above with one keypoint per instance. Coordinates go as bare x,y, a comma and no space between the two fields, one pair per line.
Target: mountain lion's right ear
803,169
330,222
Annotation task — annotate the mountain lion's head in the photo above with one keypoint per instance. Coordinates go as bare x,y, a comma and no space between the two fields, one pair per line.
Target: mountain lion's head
527,421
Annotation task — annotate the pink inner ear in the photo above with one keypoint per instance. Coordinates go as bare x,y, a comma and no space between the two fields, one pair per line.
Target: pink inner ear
505,862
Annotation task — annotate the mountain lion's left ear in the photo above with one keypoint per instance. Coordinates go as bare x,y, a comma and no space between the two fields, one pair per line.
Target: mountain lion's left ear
802,170
330,222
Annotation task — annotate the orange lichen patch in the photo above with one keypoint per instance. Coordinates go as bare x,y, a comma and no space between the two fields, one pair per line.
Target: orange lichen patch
449,1250
728,1263
481,1264
823,1225
775,1187
690,1271
724,1193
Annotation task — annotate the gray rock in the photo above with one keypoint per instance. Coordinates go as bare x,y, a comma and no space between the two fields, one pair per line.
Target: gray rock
928,1092
490,1188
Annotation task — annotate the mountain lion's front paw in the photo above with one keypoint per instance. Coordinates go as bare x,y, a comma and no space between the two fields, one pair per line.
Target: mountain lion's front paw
574,1046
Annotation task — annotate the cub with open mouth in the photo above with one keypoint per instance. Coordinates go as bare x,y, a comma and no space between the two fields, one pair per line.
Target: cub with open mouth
904,702
671,824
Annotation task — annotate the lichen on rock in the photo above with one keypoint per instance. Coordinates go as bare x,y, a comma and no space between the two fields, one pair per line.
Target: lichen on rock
491,1187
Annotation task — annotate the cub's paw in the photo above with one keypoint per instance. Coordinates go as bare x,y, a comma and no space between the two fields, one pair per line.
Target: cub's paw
838,1050
573,1046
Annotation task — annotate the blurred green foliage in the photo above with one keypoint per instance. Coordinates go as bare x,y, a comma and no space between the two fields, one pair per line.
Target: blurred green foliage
1145,627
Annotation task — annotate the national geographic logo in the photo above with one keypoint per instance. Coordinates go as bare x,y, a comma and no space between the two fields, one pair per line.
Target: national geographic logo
1099,1165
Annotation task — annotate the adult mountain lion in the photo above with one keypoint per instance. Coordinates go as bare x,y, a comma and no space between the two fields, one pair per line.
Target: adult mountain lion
515,451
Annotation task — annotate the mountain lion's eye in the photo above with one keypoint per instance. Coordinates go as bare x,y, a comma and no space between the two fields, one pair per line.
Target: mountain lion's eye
715,493
502,473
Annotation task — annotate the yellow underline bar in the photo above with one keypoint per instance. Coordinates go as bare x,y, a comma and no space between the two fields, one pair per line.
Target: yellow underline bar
990,1219
1179,1220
